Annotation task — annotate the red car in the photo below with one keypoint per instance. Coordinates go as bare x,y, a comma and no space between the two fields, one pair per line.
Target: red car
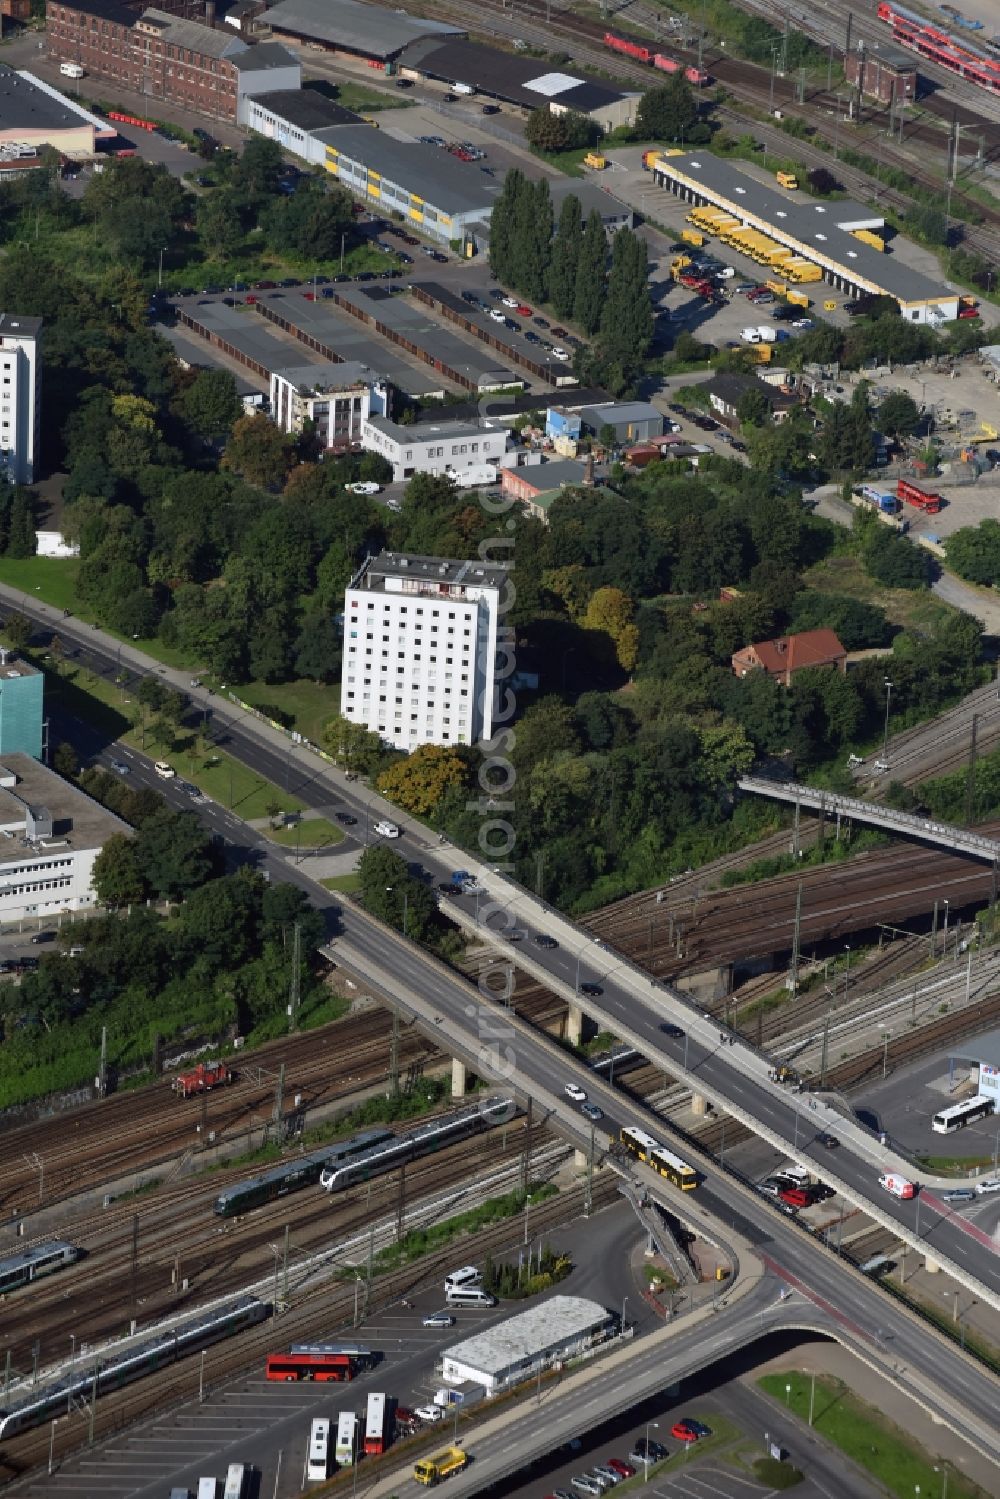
796,1197
310,296
558,332
264,285
968,312
618,1466
689,1430
524,309
250,300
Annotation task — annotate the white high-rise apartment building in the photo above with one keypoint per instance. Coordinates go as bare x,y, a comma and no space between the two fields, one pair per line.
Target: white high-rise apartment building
420,649
20,395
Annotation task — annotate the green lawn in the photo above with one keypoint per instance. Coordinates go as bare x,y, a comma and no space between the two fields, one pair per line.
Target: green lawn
310,832
305,706
868,1438
367,101
347,884
233,785
48,577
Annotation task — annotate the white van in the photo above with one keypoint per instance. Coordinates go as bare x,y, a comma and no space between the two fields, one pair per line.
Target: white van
235,1482
469,1296
71,70
467,1276
208,1488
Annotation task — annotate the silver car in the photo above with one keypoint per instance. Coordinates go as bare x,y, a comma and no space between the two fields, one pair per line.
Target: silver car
585,1484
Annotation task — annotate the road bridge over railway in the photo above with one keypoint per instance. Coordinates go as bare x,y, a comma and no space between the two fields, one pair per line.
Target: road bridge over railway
905,824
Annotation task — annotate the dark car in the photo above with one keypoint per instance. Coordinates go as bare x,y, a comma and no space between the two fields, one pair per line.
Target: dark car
540,322
436,255
532,338
542,939
41,937
673,1031
406,259
829,1141
491,109
327,291
558,332
404,82
644,1451
470,296
290,281
448,887
264,285
594,991
211,291
347,818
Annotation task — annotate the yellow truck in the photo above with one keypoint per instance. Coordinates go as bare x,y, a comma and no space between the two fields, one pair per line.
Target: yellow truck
789,180
692,237
798,299
432,1470
595,160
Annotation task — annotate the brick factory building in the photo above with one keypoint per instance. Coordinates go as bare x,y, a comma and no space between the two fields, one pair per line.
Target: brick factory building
163,56
887,74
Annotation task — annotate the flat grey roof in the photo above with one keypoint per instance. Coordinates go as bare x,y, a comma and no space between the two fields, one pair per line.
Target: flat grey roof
78,821
264,56
428,431
434,175
25,107
621,411
529,1334
325,377
433,570
477,362
591,196
16,667
820,228
506,75
16,325
306,109
352,340
981,1049
367,29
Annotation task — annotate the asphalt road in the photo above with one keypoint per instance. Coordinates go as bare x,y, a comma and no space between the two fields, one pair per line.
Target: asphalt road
793,1255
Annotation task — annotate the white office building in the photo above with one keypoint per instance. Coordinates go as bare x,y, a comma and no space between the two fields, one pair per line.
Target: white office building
20,395
420,649
336,398
448,448
50,836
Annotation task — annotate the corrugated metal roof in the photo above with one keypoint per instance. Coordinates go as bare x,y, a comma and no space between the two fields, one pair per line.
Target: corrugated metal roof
359,28
523,1338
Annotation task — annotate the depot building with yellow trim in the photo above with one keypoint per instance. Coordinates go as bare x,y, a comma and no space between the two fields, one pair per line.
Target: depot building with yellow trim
441,195
801,238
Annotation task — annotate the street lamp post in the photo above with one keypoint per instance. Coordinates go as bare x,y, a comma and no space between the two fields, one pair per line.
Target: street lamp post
527,1204
944,944
388,890
159,274
885,737
655,1426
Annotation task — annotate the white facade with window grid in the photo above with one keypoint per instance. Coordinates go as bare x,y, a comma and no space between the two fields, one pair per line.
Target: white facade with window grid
336,399
420,646
20,395
435,448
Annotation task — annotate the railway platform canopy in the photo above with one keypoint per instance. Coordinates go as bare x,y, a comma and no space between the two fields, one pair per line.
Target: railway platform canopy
983,1052
822,233
943,834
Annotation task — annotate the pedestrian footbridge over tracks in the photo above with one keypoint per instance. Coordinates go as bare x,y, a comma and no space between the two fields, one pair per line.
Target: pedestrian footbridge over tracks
903,824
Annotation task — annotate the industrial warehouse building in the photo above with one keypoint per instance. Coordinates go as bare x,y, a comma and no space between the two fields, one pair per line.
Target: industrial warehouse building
32,113
433,447
421,182
822,235
515,79
296,119
162,57
351,28
514,1350
884,72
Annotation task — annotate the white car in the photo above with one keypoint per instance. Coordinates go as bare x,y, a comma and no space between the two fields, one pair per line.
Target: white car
803,322
509,301
383,829
439,1319
363,486
559,354
988,1184
429,1413
497,316
165,771
574,1091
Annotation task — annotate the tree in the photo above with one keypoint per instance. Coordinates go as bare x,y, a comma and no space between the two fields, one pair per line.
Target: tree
551,133
173,853
65,760
894,560
565,256
309,222
669,112
588,300
18,629
259,451
974,552
928,222
118,878
218,224
613,613
752,408
21,536
822,182
318,648
392,894
210,405
899,414
502,225
626,325
419,782
352,745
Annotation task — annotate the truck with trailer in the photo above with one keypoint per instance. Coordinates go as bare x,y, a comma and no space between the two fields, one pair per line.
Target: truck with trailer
891,1181
202,1079
434,1470
883,504
920,499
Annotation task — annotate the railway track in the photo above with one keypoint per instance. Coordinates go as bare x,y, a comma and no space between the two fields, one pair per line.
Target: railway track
540,23
114,1137
95,1299
316,1312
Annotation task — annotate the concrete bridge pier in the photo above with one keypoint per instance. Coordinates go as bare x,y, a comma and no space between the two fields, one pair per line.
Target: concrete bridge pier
574,1025
931,1266
458,1078
699,1106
